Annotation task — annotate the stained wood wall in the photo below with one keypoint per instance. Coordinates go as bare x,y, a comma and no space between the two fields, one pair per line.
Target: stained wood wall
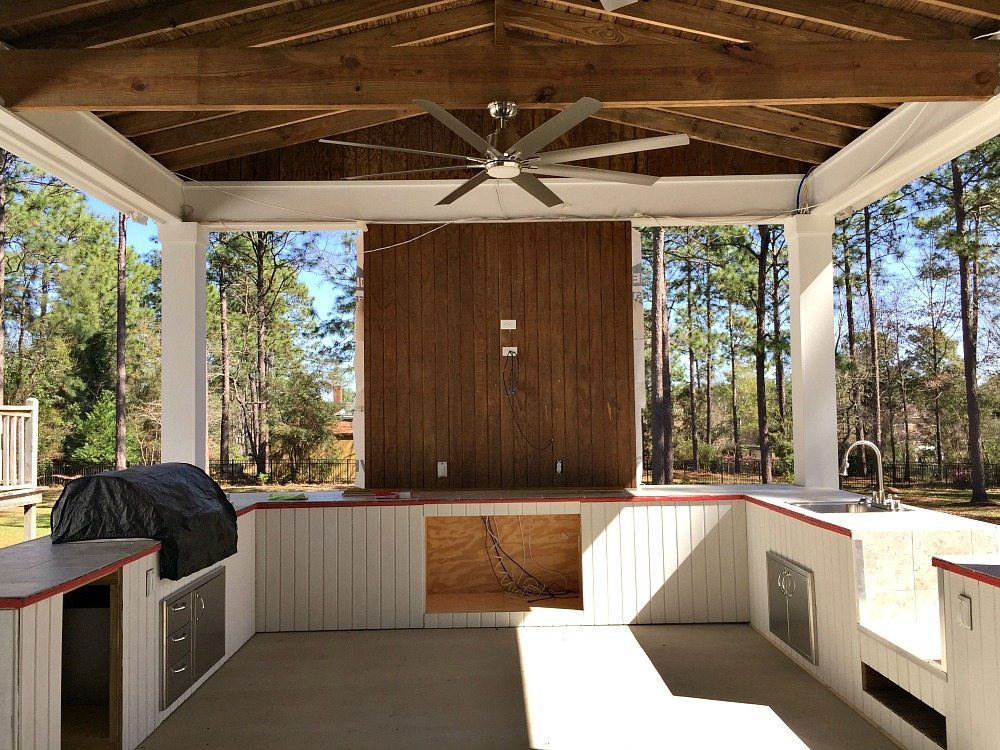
433,370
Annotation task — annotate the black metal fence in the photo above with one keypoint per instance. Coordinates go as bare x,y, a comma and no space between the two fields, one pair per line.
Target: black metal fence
716,471
316,471
952,475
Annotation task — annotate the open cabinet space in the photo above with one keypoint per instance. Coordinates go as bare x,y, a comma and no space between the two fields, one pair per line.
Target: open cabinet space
503,563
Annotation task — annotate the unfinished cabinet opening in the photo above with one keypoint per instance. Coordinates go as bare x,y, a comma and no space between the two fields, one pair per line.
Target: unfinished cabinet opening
905,705
92,666
503,563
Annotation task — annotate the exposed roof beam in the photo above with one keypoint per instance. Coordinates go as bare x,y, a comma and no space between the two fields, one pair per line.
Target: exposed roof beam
26,11
379,78
851,15
701,21
222,128
857,116
132,124
570,27
984,8
776,123
302,24
138,23
289,135
725,135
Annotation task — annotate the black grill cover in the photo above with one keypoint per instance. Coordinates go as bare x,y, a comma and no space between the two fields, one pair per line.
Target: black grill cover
178,505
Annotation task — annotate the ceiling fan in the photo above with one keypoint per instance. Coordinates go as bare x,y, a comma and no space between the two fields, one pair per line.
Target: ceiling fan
610,5
521,162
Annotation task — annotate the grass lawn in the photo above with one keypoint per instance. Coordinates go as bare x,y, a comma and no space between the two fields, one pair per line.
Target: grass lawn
12,520
952,501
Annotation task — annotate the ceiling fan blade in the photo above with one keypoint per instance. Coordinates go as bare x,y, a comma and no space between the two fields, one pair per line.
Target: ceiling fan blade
464,188
586,173
413,171
551,129
531,184
403,150
610,149
616,4
456,126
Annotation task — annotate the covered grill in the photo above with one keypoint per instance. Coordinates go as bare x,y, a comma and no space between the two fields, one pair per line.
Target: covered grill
177,504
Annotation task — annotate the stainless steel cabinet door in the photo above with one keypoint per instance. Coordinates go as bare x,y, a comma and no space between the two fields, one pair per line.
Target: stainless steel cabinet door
209,624
777,602
800,614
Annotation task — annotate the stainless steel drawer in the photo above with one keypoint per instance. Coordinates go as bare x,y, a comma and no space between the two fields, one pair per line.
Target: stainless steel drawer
177,678
178,644
178,612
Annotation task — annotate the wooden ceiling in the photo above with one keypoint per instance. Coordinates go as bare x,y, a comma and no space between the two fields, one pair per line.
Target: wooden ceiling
236,140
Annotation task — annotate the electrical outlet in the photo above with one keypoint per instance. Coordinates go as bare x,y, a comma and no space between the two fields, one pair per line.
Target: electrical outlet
150,582
442,469
508,351
559,466
508,325
965,611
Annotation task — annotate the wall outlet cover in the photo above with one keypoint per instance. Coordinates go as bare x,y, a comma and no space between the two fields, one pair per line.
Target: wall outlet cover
965,611
507,351
508,325
442,469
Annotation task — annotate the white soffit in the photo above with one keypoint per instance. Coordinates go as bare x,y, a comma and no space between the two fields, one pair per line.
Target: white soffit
676,201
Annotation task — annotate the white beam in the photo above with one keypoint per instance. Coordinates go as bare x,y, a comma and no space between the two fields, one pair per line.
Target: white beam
908,143
80,149
358,424
184,433
814,372
671,201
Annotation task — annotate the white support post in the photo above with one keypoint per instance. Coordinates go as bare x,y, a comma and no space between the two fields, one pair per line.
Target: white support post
184,433
638,349
814,374
358,425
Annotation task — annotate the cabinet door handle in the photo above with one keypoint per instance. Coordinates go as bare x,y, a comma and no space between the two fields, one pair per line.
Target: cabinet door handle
178,640
178,607
781,582
178,671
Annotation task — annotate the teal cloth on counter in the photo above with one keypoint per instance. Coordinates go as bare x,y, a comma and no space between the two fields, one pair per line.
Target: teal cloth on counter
287,496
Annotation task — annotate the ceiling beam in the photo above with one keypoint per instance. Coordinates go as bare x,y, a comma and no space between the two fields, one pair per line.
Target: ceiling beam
724,135
857,116
139,23
693,19
542,76
852,15
985,8
289,135
776,123
570,27
299,25
132,124
27,11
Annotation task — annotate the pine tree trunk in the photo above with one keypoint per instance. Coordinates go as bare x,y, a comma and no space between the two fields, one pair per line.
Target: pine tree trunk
668,404
779,359
760,353
970,344
261,318
692,376
876,373
121,458
708,355
224,424
734,404
5,159
855,412
657,413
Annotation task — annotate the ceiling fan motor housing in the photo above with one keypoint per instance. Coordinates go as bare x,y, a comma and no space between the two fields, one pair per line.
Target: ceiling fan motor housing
503,168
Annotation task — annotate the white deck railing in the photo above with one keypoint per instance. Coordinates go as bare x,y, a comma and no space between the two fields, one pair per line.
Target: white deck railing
19,460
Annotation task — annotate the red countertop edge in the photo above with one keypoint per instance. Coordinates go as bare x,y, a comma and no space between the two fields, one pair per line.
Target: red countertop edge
21,602
961,570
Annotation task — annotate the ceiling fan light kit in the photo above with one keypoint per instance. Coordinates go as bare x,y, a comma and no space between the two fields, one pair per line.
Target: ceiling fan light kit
521,162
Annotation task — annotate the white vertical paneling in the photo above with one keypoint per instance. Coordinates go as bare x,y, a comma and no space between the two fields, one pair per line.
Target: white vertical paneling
286,566
400,519
671,564
685,565
359,565
713,561
55,670
727,561
28,648
587,540
387,565
8,671
260,525
43,675
416,577
627,573
272,589
373,568
345,569
300,568
331,577
316,592
740,561
654,536
699,564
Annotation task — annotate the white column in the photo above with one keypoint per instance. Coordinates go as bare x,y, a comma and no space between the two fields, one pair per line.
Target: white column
358,426
638,349
184,435
814,374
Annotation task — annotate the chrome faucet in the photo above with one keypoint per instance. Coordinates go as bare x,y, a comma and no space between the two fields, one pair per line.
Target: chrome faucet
880,497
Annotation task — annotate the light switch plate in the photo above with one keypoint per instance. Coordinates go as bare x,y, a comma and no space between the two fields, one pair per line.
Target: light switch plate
508,325
150,582
442,469
507,351
965,611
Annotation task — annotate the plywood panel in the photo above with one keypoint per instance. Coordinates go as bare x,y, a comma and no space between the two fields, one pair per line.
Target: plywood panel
434,376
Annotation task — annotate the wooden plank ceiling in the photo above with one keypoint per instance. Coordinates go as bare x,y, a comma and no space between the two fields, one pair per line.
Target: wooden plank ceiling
745,138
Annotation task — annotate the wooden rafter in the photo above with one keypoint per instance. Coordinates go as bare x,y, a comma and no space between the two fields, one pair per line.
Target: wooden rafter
693,75
777,123
132,124
26,11
693,19
985,8
139,23
857,116
713,132
570,27
851,15
299,25
266,140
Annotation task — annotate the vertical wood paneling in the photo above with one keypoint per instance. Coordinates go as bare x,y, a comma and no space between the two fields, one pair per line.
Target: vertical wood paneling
331,576
316,584
433,371
301,569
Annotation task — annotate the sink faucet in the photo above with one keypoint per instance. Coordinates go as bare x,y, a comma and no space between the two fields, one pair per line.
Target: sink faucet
880,496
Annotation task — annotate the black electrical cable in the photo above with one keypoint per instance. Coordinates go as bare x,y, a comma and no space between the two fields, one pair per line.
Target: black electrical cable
509,390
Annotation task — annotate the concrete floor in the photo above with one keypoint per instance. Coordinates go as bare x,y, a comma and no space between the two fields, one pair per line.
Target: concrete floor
666,686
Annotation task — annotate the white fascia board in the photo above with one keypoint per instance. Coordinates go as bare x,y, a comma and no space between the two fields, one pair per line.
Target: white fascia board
911,141
88,154
349,204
